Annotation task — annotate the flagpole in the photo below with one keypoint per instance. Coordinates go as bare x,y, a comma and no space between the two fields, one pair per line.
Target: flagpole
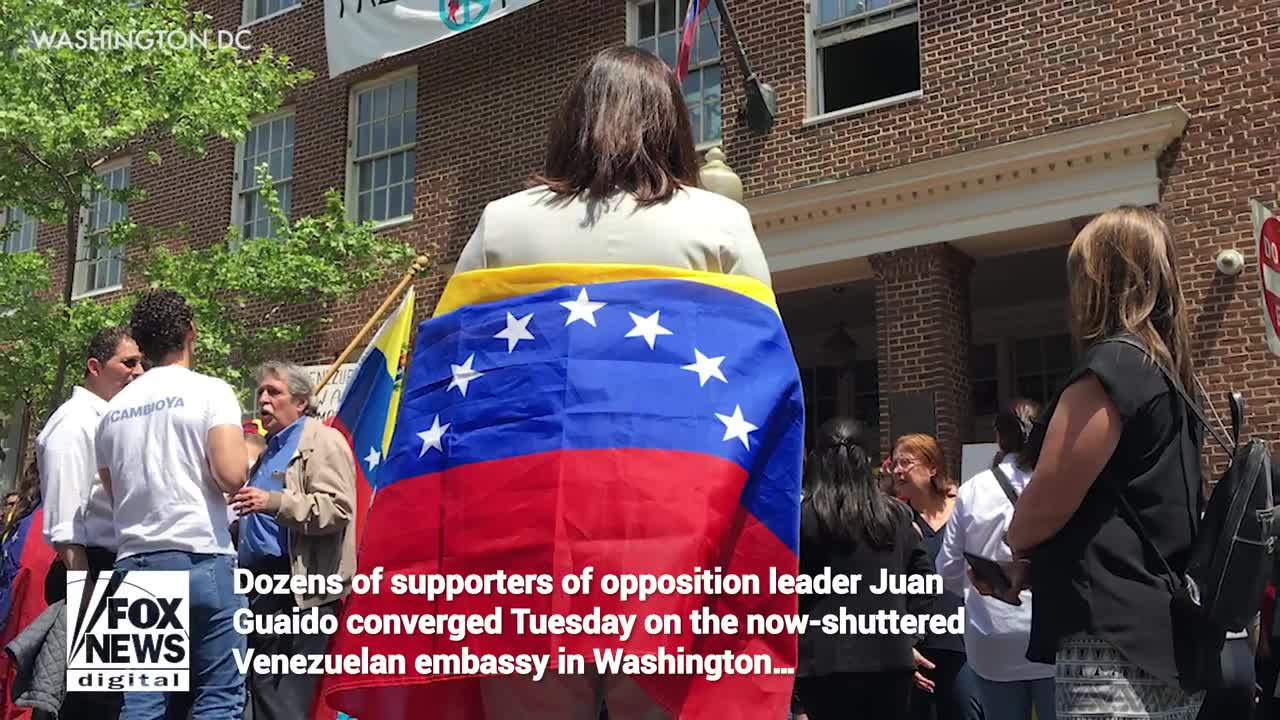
420,264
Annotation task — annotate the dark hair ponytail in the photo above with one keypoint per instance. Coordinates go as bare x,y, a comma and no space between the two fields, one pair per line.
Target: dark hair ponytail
846,498
1014,425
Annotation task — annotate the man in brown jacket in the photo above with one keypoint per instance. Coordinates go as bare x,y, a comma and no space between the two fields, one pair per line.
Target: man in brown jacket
296,518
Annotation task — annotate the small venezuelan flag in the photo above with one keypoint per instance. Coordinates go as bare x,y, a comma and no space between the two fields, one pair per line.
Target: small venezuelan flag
688,34
556,417
367,412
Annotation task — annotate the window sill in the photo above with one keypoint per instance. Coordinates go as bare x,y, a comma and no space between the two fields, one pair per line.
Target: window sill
702,148
272,16
95,293
392,223
863,108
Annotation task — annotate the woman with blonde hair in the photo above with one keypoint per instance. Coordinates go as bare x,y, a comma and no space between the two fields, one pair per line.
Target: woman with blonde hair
921,478
1118,458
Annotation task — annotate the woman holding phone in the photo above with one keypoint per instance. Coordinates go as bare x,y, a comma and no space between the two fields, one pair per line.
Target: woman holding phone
1119,455
996,633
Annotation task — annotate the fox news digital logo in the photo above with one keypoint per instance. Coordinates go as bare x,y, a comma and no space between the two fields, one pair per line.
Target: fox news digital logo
131,633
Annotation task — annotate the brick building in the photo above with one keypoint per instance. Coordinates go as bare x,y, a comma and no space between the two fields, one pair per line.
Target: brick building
929,163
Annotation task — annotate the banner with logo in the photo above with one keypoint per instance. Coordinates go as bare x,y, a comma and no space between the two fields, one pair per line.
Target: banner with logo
358,32
1266,231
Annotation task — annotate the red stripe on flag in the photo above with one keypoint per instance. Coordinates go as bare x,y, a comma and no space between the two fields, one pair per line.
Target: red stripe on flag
687,37
364,489
619,511
26,604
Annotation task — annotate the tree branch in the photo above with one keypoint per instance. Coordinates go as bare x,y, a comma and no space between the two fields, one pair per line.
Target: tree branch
45,164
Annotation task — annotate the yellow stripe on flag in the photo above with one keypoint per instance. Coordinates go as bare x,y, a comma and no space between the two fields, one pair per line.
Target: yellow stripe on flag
490,285
393,340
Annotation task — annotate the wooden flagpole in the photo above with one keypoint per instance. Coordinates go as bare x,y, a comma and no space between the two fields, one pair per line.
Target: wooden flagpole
420,263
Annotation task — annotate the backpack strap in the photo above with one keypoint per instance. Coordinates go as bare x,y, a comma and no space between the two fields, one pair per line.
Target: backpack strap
1226,446
1131,515
1005,484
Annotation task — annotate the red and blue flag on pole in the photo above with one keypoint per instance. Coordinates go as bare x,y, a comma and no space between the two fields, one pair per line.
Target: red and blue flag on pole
637,420
24,564
688,34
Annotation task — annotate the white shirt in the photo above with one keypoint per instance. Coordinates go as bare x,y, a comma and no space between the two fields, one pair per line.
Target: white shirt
694,230
153,440
995,633
77,509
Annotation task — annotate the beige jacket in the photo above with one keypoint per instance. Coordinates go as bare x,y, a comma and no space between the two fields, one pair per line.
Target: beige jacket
318,508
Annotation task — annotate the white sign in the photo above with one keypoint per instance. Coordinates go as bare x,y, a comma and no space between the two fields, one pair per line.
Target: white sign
975,458
331,394
133,632
358,32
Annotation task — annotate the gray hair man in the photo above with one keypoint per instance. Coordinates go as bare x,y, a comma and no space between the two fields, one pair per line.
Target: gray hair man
296,518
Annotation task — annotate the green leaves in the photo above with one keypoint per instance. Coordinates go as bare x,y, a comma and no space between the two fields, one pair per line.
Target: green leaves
80,81
74,94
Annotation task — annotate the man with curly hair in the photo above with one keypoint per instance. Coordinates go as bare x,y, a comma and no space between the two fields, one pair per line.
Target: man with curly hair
170,445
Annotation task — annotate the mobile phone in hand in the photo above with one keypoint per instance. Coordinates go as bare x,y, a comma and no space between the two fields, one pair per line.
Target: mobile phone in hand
990,572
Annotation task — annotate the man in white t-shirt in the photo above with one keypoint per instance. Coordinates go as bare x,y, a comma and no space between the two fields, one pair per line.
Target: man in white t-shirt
78,520
169,446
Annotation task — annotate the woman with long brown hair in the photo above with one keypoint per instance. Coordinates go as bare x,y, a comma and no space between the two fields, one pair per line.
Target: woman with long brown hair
1118,457
619,185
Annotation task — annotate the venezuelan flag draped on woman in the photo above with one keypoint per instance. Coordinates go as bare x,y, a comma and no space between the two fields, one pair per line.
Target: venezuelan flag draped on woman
631,419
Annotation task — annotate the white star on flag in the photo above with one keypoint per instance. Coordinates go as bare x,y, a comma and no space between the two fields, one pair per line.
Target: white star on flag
463,375
516,330
647,328
582,309
431,437
373,458
706,368
736,426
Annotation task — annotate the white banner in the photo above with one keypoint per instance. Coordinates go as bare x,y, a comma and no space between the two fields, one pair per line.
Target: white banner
358,32
331,394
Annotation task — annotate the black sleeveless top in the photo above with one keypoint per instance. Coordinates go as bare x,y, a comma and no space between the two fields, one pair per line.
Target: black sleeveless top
1093,576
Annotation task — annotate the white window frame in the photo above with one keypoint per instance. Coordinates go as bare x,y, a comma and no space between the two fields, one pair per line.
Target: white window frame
633,39
352,192
79,293
237,213
854,27
6,237
247,7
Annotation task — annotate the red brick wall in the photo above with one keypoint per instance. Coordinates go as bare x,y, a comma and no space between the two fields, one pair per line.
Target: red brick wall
483,102
922,338
992,72
1005,70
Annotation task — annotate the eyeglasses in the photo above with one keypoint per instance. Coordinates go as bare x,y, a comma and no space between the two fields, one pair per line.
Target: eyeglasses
904,463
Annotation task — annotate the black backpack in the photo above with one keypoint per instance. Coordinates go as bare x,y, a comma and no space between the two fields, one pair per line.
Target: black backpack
1233,552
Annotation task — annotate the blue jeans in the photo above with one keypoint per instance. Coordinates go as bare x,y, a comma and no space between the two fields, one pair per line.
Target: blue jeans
217,687
1014,700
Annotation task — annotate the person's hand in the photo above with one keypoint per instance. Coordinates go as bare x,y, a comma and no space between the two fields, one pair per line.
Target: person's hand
1019,574
921,681
250,500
